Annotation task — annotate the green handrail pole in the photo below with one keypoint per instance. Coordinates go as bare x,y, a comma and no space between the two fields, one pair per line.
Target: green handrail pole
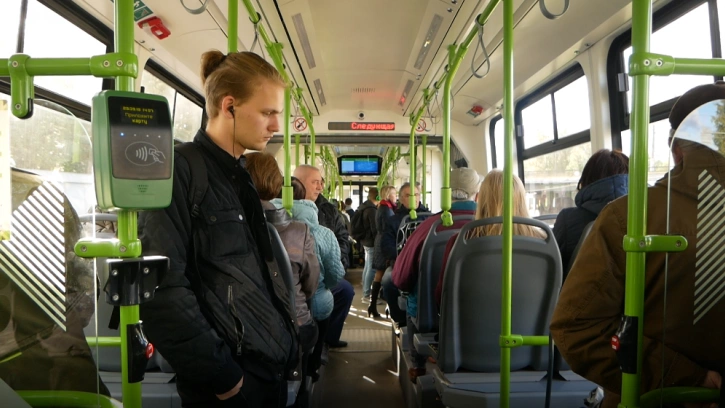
507,255
233,24
637,203
127,220
297,150
287,192
424,170
412,205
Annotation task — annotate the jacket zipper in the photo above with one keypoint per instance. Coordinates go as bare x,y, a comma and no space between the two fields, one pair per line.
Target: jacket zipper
235,318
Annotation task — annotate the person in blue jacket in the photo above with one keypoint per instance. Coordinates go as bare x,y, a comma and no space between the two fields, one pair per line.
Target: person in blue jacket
603,179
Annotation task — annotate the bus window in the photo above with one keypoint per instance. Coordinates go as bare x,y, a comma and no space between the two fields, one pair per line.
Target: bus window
66,41
154,85
552,178
572,111
9,21
657,149
538,122
187,118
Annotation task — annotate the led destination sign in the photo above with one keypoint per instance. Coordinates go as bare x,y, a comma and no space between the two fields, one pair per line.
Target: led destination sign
365,126
135,115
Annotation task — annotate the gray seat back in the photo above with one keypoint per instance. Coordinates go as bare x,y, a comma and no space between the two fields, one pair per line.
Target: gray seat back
407,227
431,262
585,233
285,267
470,322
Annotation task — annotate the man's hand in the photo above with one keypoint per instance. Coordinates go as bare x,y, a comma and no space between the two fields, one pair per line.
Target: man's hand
712,380
234,391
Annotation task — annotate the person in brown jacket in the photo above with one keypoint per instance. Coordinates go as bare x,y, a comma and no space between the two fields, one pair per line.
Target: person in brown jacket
296,238
591,303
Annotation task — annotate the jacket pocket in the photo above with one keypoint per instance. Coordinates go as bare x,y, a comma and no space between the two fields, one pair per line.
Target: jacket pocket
238,324
226,233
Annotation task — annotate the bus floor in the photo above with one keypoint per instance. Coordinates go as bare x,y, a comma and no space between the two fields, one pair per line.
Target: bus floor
363,374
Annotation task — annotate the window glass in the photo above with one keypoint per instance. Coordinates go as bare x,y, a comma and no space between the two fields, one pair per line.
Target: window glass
686,37
572,108
187,118
551,179
154,85
61,39
657,149
66,153
498,136
9,21
538,122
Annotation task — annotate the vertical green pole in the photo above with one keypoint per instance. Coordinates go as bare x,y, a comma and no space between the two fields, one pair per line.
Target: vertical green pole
127,220
287,192
312,148
232,31
637,203
412,205
297,150
446,217
307,154
508,110
423,180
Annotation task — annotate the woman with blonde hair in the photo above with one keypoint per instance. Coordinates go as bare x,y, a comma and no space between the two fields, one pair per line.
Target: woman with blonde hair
490,204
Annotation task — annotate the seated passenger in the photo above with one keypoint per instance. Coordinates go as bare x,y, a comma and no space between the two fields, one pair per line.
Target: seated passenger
297,240
603,179
331,269
490,204
591,303
36,352
464,186
386,210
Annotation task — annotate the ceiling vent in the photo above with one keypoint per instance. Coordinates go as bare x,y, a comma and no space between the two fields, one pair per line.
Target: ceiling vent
320,93
428,41
363,90
406,91
302,35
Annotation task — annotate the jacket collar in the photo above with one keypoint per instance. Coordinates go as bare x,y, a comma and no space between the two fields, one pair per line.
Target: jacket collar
227,161
595,196
697,159
467,205
276,216
388,204
321,200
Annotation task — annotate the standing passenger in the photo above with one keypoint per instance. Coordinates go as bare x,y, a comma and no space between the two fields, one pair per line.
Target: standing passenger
603,179
222,301
685,346
366,213
386,210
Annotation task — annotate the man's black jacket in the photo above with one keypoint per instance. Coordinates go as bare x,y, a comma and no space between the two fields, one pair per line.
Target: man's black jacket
223,308
329,217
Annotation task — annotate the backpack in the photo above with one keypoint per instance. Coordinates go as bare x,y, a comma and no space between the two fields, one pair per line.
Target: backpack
199,179
359,232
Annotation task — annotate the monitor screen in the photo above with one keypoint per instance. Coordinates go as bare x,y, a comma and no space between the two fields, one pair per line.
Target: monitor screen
359,165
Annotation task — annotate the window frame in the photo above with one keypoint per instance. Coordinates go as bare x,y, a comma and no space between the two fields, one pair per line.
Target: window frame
492,139
619,105
77,16
523,153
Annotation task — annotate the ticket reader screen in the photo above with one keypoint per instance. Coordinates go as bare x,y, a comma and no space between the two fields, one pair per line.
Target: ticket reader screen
141,138
133,150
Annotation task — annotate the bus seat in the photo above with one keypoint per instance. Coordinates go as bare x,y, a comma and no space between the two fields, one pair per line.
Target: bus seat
467,373
407,227
431,262
285,268
471,303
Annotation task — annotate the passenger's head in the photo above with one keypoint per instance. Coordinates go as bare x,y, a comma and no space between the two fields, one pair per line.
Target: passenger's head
464,184
373,194
311,177
604,163
265,174
490,204
299,192
348,201
244,100
405,192
688,102
388,193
